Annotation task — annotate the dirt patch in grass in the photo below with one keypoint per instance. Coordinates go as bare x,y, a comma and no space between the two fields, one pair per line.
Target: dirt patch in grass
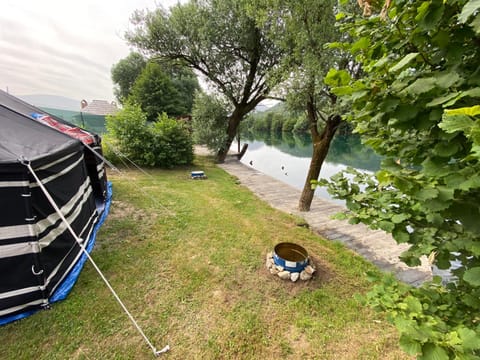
121,210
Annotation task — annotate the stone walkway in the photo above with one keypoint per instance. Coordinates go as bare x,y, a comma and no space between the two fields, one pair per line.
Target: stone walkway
374,245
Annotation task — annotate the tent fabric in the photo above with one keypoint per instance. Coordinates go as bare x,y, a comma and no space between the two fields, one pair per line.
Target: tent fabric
95,165
37,252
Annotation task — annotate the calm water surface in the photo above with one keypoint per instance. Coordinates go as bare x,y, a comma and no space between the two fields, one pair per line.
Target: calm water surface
286,157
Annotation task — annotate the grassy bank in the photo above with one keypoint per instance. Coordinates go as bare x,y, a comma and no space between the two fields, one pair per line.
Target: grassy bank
188,259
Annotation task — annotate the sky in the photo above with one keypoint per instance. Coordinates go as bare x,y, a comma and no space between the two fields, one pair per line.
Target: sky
65,48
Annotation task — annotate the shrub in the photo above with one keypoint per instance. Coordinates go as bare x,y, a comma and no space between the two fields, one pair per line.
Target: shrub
172,144
164,143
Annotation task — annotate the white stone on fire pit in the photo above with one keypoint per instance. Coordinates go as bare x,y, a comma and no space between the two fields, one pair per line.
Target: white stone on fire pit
305,276
310,269
294,276
284,275
273,270
270,263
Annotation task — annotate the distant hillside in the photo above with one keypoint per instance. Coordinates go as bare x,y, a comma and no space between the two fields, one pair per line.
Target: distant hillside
266,106
52,101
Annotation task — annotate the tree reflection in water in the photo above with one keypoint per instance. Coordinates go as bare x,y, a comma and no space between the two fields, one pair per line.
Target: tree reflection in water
286,157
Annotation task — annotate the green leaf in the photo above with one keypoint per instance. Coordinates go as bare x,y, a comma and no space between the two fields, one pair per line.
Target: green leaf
442,99
401,236
435,218
445,149
452,123
467,11
337,78
386,226
469,111
384,177
472,276
476,24
473,93
472,183
426,194
383,61
360,44
420,86
404,62
409,345
447,79
398,218
470,339
433,352
342,90
414,305
431,16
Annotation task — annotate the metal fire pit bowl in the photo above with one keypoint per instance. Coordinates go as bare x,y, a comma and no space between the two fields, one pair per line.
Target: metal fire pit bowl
290,256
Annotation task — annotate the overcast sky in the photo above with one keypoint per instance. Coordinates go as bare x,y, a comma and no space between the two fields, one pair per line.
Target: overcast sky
66,48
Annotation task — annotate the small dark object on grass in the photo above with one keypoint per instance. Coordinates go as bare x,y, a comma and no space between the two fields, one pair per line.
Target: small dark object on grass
198,175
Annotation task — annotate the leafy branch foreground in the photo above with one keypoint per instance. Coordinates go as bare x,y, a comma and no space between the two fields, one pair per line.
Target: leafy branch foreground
187,258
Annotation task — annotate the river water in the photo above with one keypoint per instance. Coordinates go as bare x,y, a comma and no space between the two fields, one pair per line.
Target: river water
286,157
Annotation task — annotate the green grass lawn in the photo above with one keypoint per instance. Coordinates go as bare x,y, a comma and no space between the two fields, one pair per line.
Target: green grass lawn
187,257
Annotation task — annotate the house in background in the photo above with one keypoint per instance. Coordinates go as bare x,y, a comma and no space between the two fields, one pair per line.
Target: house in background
99,107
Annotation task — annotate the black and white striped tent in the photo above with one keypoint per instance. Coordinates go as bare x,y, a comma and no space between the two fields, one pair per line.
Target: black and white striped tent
45,165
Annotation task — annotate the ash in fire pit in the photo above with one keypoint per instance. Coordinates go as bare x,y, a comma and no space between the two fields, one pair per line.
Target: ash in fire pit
290,261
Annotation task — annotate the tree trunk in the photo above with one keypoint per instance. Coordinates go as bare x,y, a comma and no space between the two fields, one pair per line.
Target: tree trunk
233,123
240,111
321,144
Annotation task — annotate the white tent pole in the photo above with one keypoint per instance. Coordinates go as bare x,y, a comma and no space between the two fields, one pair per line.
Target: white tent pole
79,241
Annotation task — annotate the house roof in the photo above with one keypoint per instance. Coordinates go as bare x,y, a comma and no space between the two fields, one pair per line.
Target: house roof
99,107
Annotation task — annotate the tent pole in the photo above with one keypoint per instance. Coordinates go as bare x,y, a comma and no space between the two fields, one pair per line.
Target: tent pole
79,241
101,157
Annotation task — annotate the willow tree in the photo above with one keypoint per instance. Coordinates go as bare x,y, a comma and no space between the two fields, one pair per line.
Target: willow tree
218,39
418,106
303,28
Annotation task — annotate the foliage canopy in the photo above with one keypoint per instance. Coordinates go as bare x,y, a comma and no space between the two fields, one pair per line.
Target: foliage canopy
222,42
125,73
417,105
164,89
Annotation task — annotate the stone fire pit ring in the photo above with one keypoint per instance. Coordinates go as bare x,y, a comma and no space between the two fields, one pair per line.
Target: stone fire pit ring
290,256
290,261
